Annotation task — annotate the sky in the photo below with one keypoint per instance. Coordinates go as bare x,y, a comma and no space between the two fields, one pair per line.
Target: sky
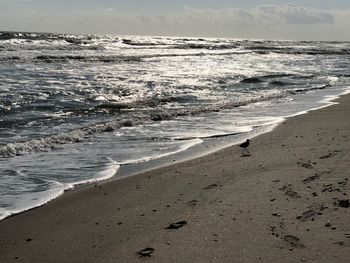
274,19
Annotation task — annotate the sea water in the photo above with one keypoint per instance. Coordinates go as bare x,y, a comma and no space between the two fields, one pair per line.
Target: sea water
74,108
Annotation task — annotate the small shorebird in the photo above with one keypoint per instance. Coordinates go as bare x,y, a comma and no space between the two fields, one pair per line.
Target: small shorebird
244,146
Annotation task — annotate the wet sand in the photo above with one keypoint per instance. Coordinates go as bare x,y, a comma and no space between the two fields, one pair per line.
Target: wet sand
286,202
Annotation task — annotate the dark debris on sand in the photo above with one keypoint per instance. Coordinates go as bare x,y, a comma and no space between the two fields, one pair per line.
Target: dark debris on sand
344,203
176,225
146,252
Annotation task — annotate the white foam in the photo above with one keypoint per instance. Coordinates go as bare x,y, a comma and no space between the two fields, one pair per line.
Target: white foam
109,171
4,213
35,199
324,102
183,147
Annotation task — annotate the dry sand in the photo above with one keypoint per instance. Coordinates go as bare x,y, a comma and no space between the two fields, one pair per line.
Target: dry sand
287,202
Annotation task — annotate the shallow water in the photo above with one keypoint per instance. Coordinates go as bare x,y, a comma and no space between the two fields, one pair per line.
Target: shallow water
74,108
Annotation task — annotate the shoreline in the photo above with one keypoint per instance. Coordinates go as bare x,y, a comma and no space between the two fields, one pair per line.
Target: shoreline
258,208
209,145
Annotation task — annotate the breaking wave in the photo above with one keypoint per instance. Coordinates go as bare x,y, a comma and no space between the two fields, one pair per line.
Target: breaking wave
79,135
106,58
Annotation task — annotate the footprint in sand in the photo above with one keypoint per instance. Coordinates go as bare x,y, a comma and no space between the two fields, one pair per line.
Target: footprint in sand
305,164
290,192
311,178
210,186
293,241
307,215
193,203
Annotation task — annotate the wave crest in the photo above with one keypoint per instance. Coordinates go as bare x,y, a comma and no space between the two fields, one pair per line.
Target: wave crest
154,114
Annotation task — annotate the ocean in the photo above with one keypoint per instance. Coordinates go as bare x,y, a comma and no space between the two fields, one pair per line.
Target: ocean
74,109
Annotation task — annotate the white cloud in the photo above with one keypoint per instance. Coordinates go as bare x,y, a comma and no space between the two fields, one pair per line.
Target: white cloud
292,14
263,15
268,21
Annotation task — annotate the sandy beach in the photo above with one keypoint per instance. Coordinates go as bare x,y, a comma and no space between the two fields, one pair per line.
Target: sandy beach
286,202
